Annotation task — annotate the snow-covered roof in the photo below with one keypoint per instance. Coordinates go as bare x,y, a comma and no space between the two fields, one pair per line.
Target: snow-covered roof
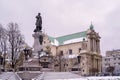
71,38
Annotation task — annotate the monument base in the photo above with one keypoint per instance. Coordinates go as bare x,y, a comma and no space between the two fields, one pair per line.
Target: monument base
31,65
37,39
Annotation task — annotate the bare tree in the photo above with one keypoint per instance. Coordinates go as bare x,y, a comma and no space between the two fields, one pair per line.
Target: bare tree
16,40
3,39
3,43
110,69
93,71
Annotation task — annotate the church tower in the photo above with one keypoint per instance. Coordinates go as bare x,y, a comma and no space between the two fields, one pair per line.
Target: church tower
91,58
93,40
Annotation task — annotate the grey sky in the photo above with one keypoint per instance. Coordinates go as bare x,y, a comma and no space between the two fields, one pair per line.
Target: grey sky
61,17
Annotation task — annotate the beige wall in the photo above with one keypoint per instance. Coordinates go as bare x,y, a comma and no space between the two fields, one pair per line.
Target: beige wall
53,50
74,46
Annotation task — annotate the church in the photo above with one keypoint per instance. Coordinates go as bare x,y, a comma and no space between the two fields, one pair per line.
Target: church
74,52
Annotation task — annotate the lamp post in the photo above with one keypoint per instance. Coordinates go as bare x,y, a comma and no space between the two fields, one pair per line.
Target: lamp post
26,53
1,62
26,73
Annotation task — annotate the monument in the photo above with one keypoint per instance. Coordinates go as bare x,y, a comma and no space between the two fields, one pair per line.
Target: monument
38,37
40,59
45,59
31,64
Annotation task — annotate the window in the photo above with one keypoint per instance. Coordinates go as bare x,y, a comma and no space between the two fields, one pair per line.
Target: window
105,64
105,59
114,58
56,65
44,42
83,70
70,51
78,57
75,69
61,53
44,59
79,50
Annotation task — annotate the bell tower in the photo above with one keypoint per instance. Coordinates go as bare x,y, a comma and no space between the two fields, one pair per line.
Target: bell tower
93,40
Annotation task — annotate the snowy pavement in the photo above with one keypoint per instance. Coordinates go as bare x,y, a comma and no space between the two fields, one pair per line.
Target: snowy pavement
9,76
71,76
104,78
57,76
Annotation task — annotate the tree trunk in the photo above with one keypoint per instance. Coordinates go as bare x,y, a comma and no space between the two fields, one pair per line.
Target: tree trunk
12,57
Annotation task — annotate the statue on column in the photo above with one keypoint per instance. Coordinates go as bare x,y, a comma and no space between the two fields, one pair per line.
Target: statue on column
38,23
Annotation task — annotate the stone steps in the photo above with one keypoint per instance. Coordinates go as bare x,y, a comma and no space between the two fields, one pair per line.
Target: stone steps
47,70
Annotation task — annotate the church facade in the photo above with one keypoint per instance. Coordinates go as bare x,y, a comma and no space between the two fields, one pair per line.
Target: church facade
75,52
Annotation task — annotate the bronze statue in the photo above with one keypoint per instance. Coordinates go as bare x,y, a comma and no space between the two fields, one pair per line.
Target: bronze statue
38,23
40,39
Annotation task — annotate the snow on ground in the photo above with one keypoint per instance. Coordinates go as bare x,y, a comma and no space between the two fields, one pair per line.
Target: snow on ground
9,76
57,76
104,78
71,76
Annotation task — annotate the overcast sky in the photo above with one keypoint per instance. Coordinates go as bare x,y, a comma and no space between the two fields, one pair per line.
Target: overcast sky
62,17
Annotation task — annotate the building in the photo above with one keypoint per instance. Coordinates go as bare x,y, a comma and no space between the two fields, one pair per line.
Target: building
75,52
112,59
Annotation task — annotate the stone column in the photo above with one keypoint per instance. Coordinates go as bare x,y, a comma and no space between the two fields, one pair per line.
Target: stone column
93,45
89,44
98,46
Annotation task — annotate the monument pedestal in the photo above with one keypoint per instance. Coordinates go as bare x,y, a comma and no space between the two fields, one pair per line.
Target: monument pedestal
37,46
31,65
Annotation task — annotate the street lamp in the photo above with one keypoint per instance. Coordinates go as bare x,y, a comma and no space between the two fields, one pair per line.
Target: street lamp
1,62
26,53
26,73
